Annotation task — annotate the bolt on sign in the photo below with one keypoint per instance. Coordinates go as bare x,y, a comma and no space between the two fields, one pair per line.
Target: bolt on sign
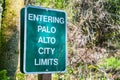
43,40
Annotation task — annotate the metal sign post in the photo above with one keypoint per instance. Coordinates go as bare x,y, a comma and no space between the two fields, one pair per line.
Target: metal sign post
44,77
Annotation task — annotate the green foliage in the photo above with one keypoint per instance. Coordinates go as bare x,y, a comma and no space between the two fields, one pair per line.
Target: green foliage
99,20
3,75
113,7
1,1
52,3
67,5
70,70
20,76
109,63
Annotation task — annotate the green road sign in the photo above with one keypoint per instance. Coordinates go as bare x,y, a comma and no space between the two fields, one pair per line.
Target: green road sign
43,48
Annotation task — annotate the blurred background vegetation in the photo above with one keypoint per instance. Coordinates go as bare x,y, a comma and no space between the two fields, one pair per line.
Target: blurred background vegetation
93,39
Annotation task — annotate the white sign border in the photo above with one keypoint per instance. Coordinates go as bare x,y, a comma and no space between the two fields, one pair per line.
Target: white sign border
25,38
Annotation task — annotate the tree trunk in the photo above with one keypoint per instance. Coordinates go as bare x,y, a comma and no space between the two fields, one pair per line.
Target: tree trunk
10,36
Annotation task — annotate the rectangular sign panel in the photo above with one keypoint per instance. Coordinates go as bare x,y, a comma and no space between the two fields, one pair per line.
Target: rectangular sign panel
45,40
